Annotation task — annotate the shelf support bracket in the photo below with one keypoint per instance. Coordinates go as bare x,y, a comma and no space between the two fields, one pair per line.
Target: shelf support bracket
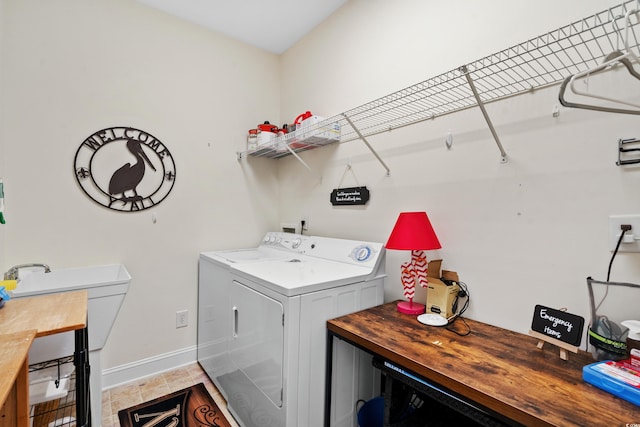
484,113
300,160
384,165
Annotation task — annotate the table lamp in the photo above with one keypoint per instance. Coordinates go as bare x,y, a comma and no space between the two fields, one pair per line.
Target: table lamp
413,232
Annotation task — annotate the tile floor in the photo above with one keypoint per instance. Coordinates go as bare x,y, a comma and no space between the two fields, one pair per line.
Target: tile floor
139,391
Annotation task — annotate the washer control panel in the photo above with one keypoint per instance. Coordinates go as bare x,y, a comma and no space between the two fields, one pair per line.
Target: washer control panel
286,241
349,251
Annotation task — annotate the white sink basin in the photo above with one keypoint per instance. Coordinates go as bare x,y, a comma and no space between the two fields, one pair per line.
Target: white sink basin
70,279
106,287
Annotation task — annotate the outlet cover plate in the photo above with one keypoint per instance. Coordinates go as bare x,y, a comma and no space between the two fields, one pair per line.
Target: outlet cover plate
182,318
615,221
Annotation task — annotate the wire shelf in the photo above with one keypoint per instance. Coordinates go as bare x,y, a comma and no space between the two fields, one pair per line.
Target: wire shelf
60,411
536,63
540,62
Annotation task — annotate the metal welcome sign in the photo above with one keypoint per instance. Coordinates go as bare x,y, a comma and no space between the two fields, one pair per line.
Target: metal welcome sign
124,169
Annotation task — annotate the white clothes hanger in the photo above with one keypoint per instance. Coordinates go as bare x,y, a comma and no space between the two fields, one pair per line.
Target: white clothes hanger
627,58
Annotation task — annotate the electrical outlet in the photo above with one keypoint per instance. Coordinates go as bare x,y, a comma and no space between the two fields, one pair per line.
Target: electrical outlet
631,239
182,318
306,223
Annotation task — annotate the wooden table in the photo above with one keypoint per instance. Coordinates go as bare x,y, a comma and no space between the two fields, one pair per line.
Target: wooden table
14,378
47,315
496,369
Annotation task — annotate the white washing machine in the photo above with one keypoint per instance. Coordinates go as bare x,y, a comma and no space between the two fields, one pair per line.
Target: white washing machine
262,316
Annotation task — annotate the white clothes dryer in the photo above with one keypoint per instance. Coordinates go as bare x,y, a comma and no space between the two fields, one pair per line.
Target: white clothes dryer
262,316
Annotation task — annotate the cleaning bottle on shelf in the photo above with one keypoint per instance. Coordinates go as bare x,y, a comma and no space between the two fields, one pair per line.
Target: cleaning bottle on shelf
1,202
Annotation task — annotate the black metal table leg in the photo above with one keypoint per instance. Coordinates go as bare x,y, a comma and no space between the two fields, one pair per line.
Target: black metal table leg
81,362
327,380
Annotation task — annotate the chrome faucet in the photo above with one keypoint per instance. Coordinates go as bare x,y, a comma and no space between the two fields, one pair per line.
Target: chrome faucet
12,273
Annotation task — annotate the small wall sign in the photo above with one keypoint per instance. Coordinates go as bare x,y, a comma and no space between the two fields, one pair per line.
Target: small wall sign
557,324
350,196
124,169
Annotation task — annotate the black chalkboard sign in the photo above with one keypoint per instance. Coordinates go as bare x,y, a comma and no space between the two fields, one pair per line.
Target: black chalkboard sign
557,324
349,196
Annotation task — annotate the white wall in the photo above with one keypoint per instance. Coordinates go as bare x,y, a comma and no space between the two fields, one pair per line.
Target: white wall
526,232
71,68
522,233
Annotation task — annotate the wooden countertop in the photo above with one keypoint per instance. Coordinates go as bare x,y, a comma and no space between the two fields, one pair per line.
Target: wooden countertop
22,320
499,369
47,314
14,348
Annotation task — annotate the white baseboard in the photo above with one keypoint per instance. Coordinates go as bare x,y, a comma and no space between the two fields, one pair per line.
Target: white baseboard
122,374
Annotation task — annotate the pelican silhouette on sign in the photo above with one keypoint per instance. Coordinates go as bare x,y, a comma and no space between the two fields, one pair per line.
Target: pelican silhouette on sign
127,177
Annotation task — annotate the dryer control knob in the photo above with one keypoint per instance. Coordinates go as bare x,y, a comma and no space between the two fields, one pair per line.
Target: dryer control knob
362,253
296,243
